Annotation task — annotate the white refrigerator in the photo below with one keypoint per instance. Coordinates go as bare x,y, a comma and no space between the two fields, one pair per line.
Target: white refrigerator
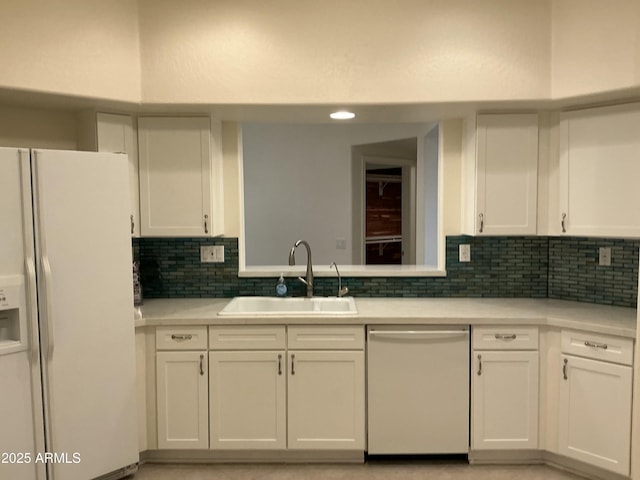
67,351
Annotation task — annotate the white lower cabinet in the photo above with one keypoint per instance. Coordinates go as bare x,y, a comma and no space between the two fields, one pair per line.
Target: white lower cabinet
504,410
266,395
182,393
326,400
595,401
248,399
182,387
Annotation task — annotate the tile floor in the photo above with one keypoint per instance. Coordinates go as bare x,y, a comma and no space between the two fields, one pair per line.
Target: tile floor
368,471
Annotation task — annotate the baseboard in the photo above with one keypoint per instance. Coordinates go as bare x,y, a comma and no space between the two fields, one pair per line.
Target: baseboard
524,457
476,457
506,457
579,468
252,456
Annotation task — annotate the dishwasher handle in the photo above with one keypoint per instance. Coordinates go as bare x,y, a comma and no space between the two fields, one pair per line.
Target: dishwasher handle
414,334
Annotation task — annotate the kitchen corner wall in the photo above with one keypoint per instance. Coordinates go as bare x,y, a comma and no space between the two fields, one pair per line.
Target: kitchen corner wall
534,267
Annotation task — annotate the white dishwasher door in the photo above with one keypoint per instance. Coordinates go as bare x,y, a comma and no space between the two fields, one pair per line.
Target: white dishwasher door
418,389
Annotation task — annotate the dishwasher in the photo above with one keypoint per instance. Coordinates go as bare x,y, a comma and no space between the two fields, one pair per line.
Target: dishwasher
418,390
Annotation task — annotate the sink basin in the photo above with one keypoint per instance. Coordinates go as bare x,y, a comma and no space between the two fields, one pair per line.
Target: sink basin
290,307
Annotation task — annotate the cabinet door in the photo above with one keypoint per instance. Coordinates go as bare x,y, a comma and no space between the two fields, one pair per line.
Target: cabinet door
504,410
175,176
326,400
595,413
182,391
507,174
248,399
116,134
599,172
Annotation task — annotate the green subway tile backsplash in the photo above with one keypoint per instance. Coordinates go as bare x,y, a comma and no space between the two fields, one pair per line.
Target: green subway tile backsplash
574,273
532,267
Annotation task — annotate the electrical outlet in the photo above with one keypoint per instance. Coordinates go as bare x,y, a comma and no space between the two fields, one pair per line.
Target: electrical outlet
604,254
212,254
464,253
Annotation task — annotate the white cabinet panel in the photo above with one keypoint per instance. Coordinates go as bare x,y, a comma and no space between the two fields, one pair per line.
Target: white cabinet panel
176,196
505,400
599,172
182,392
326,400
248,399
116,133
503,160
595,413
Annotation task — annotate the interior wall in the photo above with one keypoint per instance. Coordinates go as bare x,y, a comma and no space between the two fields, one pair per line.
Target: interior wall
305,51
41,128
298,178
595,46
76,47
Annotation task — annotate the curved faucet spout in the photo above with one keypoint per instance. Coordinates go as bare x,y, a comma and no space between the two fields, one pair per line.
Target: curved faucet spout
309,275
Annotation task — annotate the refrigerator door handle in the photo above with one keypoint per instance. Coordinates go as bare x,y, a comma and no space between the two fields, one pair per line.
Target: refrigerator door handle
33,301
46,268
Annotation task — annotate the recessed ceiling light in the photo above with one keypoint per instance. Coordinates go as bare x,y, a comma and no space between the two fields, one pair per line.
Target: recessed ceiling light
342,115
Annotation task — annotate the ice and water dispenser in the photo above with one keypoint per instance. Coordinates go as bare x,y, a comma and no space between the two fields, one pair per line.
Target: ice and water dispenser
12,313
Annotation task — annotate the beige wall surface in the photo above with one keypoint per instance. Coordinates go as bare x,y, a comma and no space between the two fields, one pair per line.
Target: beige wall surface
36,128
78,47
306,51
311,52
595,46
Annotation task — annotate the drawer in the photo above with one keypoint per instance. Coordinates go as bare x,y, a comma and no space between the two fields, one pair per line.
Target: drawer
181,338
505,337
247,337
334,337
597,346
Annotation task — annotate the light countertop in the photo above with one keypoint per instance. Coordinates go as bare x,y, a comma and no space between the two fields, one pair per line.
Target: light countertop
469,311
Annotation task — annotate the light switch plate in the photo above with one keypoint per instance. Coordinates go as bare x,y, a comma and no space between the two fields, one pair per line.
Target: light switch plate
604,254
464,252
212,254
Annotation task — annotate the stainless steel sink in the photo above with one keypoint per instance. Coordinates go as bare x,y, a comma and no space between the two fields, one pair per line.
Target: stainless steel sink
290,307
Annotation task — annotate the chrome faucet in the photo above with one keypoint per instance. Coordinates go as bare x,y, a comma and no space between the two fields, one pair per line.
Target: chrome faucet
341,291
292,261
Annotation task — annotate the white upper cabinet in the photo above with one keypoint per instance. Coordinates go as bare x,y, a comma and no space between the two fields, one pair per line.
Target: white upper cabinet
599,171
116,133
501,175
179,184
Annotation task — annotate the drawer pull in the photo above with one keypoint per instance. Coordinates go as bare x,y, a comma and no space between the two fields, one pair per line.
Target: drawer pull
564,369
481,222
563,223
603,346
201,364
505,336
279,364
479,364
293,370
181,336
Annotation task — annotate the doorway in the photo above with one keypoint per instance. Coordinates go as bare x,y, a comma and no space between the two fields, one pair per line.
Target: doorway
384,202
